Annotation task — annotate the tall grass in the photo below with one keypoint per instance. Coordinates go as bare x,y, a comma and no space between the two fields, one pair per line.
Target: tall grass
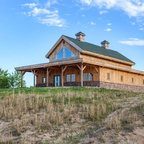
45,110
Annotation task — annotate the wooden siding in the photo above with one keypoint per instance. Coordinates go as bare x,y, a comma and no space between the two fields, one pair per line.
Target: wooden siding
104,60
115,77
60,46
69,70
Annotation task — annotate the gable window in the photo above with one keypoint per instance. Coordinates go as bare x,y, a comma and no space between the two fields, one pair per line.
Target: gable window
68,78
90,76
43,80
64,53
108,76
121,78
73,77
85,76
132,80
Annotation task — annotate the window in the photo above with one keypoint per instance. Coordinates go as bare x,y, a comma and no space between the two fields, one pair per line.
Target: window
73,77
132,80
85,76
64,53
90,76
68,78
43,80
121,78
108,76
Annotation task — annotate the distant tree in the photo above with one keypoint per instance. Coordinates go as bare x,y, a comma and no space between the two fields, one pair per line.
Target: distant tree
15,80
4,79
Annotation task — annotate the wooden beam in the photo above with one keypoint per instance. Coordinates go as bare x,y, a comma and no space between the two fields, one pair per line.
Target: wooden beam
21,79
34,77
81,75
22,74
96,69
78,66
84,67
47,78
62,71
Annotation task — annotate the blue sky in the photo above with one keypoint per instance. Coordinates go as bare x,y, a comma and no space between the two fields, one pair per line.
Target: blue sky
29,28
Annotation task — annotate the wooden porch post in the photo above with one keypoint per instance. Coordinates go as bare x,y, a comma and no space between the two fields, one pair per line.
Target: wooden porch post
47,77
81,75
21,79
82,68
22,74
62,72
34,78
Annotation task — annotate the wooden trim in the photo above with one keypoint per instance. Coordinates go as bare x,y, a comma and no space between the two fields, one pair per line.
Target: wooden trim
107,57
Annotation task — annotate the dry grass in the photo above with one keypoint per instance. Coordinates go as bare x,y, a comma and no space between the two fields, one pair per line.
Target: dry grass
51,117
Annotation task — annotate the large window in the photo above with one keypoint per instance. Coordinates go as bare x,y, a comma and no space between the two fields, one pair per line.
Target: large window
85,76
64,53
73,77
90,76
68,78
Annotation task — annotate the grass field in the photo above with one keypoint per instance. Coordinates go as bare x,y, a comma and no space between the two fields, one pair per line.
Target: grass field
70,115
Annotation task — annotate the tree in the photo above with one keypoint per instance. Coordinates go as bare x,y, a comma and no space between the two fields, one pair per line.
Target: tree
4,79
15,80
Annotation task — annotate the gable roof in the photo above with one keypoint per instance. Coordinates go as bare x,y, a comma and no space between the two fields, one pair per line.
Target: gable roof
98,49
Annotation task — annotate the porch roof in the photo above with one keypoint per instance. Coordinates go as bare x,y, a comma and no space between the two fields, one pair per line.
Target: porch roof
30,68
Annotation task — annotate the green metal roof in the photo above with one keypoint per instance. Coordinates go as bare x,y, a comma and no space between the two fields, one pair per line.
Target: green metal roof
99,50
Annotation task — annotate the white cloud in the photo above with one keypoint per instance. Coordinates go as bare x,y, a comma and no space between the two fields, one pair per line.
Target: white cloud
92,23
142,29
103,12
133,42
30,5
109,24
132,8
50,2
108,29
45,15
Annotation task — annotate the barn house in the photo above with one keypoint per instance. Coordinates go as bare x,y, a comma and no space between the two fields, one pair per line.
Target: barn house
74,62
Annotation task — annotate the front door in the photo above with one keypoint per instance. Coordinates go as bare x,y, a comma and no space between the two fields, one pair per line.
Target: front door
57,81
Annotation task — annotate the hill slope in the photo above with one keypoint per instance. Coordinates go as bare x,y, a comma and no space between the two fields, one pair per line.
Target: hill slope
71,115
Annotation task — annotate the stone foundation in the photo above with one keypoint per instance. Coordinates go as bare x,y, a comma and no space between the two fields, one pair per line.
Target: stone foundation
106,85
109,85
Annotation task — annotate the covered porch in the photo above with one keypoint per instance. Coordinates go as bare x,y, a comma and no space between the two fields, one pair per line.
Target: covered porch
64,73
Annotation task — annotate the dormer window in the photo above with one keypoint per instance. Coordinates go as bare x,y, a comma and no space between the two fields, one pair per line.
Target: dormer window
64,53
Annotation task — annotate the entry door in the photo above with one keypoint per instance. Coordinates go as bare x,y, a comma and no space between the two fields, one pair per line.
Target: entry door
56,81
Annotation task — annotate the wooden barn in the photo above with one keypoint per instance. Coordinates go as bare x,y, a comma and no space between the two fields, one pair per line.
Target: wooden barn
74,62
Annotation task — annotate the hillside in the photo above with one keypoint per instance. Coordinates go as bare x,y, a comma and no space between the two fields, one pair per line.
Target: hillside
71,116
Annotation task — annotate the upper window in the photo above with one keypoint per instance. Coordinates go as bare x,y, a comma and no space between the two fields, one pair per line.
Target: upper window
90,76
108,76
85,76
64,53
